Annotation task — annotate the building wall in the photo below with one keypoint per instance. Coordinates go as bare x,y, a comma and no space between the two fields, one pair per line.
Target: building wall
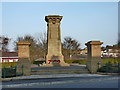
8,59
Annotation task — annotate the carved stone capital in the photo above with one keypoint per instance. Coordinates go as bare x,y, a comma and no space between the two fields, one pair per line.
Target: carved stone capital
53,19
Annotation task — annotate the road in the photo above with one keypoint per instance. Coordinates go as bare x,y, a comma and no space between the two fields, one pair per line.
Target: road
97,84
66,82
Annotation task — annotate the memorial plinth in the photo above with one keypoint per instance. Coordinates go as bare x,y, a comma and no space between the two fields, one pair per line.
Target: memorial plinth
54,51
94,55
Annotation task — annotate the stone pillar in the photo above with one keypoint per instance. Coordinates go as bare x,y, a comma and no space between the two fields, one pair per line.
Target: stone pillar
94,55
24,65
54,51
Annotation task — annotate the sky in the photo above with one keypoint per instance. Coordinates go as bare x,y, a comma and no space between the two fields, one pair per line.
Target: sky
83,21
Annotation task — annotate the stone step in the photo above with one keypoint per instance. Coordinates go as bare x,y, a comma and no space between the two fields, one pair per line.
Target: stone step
81,71
59,73
48,73
73,69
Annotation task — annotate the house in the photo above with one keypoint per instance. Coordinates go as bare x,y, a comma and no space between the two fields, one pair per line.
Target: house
84,51
8,57
110,51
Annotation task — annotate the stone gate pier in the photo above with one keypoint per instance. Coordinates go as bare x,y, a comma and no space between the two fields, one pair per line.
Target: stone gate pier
94,55
24,64
54,50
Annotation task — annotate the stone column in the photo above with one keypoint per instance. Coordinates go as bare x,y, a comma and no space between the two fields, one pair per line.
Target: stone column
94,55
54,51
24,65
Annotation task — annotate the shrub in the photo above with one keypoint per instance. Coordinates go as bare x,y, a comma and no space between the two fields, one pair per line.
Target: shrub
9,64
79,61
110,60
83,61
38,62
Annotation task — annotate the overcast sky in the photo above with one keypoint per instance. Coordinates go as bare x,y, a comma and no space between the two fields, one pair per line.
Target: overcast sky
84,21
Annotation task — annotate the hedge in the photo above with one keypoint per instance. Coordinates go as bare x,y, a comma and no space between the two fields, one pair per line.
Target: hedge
38,62
8,64
80,61
110,60
83,61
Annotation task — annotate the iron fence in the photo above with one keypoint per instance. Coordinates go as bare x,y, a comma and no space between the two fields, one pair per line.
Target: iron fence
11,71
110,68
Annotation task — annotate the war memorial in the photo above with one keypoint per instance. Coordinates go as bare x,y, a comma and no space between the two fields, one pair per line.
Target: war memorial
54,53
55,62
54,57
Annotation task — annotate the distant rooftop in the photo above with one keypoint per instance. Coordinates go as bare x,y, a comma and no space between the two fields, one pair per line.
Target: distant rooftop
9,54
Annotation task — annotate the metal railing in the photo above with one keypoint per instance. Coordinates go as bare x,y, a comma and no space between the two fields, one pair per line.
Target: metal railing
11,71
110,68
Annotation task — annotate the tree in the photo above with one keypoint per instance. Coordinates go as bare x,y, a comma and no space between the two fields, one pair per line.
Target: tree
4,42
34,48
38,48
70,46
41,39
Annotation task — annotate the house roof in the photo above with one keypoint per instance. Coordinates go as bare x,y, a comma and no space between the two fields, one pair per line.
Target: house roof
9,54
103,48
112,47
109,47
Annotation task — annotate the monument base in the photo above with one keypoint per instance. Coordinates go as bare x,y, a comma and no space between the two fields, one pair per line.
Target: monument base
55,61
55,65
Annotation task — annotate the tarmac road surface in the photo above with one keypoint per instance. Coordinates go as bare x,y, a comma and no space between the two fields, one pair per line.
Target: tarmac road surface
82,81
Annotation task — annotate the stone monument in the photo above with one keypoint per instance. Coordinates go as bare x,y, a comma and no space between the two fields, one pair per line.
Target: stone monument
54,51
23,65
94,55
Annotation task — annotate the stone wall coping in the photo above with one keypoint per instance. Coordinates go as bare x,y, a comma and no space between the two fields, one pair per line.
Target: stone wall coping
94,43
23,43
